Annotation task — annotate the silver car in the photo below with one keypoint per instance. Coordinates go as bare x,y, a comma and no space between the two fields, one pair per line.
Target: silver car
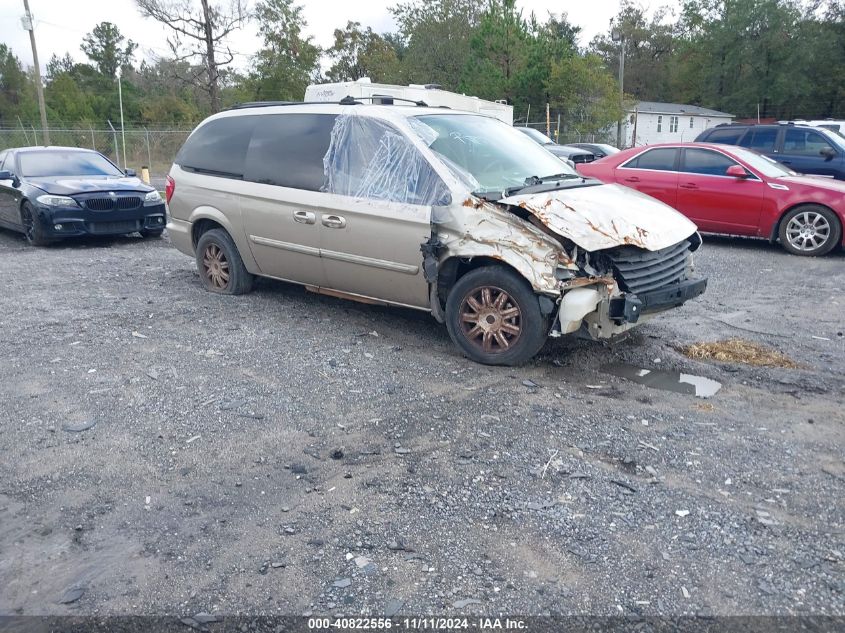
453,213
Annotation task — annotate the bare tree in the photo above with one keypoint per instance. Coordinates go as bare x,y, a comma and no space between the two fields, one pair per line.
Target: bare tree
200,31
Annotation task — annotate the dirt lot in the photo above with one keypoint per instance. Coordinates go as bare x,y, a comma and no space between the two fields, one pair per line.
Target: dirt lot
284,453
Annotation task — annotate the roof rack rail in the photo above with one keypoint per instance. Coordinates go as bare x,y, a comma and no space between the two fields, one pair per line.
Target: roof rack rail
350,100
347,100
261,104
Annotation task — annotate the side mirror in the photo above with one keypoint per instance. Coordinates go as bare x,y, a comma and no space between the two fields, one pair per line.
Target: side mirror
6,175
737,171
129,172
828,153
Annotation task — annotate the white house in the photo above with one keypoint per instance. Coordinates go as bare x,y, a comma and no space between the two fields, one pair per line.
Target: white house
651,122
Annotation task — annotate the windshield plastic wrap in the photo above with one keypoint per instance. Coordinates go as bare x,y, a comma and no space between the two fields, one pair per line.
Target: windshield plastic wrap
368,158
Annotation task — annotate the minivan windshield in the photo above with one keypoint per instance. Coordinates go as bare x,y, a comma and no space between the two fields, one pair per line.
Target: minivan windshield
494,153
65,163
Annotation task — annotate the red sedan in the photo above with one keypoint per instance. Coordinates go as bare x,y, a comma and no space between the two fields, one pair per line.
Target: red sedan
733,190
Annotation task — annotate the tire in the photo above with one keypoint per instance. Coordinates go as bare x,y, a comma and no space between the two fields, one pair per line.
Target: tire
501,336
221,268
33,230
145,233
810,230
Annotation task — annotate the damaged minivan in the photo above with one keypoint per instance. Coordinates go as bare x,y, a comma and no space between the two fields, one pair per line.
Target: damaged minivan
453,213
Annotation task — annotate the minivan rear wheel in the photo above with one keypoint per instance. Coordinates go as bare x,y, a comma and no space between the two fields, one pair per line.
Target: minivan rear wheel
494,317
220,265
810,229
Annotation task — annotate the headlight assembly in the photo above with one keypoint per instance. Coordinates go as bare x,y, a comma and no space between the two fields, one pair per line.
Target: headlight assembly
153,197
59,202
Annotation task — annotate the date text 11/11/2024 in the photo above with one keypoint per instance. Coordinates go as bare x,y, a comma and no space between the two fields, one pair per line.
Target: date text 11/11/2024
416,624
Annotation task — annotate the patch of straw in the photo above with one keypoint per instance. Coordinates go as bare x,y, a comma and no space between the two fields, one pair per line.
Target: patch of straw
737,350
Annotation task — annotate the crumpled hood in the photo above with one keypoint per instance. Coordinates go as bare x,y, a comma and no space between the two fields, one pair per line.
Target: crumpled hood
69,185
605,216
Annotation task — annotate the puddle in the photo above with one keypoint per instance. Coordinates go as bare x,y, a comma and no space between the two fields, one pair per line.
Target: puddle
668,380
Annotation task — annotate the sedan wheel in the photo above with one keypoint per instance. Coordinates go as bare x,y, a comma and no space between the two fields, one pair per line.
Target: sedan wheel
809,230
32,229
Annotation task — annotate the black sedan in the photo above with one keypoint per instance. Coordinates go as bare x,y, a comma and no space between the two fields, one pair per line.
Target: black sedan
599,149
48,193
564,152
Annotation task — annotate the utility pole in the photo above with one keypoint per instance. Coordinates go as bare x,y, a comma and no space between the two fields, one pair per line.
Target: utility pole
122,130
39,89
618,35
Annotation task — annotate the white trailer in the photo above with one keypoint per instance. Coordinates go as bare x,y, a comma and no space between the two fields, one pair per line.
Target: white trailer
430,94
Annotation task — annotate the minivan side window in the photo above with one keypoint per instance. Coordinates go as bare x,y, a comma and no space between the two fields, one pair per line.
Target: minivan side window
804,143
762,139
371,159
219,147
287,150
661,159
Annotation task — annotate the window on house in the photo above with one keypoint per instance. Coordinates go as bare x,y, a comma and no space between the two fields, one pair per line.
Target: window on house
659,123
673,124
691,123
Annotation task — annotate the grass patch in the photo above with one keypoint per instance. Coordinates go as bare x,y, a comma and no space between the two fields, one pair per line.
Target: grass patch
737,350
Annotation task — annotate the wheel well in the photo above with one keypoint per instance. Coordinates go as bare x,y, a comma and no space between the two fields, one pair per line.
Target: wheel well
776,229
202,226
454,268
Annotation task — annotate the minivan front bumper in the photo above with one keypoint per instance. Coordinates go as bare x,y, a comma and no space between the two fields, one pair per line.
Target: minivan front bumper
629,307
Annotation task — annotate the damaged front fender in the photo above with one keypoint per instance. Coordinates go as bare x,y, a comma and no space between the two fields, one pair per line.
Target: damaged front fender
486,230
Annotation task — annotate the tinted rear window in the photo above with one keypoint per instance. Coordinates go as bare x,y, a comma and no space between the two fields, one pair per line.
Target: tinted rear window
218,147
761,139
728,136
65,163
288,149
662,159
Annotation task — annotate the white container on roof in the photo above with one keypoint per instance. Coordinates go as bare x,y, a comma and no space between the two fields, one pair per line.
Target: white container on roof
431,94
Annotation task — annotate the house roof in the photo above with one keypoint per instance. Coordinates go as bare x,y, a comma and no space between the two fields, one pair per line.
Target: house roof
677,108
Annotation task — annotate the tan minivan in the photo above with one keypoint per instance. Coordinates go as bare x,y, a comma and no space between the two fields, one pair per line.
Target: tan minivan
449,212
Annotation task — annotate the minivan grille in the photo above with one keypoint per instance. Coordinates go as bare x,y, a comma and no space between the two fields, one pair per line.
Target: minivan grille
641,271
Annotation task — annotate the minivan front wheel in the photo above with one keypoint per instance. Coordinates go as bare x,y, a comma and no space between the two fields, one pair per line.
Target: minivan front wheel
810,229
494,317
220,265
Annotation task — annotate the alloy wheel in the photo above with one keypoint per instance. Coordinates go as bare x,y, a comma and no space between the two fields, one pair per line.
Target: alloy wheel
808,231
490,319
216,266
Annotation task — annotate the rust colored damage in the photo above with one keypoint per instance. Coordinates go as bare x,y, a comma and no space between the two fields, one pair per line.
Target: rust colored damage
601,217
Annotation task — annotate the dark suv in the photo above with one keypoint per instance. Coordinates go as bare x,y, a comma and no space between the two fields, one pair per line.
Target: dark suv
802,148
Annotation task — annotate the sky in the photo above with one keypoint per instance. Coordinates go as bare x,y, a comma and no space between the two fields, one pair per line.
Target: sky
61,24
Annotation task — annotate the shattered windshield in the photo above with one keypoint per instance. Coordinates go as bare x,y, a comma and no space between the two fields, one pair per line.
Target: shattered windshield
496,155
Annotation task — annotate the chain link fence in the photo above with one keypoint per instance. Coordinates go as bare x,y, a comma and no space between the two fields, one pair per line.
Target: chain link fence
150,147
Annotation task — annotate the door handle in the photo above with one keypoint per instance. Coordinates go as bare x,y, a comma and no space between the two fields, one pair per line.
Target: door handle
688,185
334,221
305,217
632,179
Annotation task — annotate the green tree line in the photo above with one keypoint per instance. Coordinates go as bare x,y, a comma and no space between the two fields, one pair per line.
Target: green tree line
785,58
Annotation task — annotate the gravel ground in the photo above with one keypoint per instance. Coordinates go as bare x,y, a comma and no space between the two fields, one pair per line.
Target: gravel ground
285,453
